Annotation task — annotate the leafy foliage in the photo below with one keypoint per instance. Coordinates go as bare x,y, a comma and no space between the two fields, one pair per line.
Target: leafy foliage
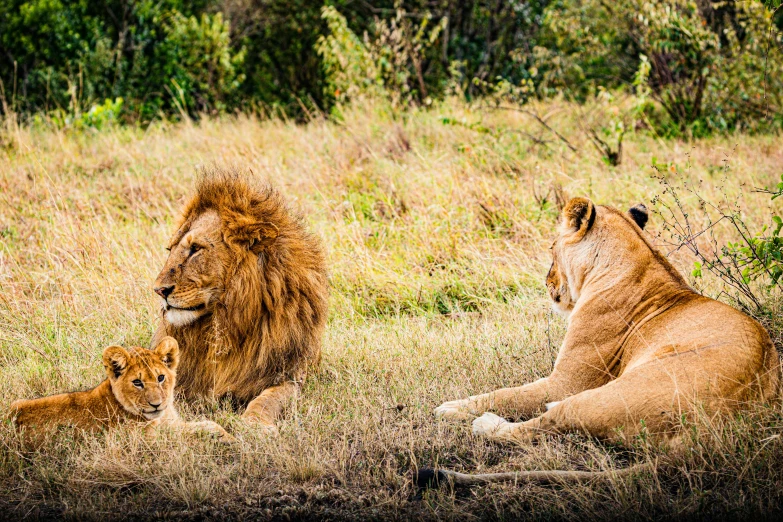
709,68
388,66
704,66
745,264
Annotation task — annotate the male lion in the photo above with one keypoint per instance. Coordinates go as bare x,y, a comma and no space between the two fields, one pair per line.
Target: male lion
244,291
642,348
138,389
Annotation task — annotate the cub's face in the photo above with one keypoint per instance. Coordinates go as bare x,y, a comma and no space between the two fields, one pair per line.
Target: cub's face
192,280
143,380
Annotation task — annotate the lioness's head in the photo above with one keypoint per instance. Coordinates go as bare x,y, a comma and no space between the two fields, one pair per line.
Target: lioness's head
582,229
143,380
224,230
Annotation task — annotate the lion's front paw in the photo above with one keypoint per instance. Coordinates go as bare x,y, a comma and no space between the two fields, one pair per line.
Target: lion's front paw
454,410
490,425
211,429
260,425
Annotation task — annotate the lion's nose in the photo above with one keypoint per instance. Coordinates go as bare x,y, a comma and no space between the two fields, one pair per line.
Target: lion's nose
164,291
155,405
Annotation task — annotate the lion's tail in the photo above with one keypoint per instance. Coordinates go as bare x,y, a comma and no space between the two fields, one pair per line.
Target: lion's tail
429,478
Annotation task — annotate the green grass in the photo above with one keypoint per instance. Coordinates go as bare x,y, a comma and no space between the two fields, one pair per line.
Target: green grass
437,238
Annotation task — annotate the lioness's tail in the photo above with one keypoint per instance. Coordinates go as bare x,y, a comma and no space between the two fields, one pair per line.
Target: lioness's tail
434,478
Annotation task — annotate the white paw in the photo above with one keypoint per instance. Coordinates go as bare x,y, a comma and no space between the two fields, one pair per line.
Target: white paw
454,410
488,425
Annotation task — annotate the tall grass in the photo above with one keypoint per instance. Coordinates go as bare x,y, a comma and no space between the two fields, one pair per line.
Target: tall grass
437,236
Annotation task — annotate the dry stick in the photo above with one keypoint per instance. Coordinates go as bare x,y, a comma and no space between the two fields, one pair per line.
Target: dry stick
539,120
434,478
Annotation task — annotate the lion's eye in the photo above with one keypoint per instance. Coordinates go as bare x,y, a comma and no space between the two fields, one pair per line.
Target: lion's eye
194,249
161,378
137,383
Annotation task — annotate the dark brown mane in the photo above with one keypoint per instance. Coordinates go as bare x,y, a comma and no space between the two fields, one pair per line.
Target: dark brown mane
268,324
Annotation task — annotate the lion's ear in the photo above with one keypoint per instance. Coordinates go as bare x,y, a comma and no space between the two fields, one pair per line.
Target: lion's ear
250,233
168,351
639,214
115,360
578,216
264,234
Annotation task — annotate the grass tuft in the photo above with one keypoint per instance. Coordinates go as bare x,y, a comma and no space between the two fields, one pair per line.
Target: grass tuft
437,238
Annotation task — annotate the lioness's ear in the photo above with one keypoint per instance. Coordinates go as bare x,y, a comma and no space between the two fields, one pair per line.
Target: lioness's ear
578,216
168,351
115,360
639,214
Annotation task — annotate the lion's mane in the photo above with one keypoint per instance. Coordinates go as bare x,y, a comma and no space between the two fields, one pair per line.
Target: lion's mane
268,323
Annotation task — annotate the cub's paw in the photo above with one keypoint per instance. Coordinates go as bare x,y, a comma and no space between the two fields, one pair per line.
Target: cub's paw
490,425
454,410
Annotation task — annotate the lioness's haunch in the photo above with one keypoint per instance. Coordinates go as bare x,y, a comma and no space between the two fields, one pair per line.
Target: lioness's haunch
642,348
138,389
244,291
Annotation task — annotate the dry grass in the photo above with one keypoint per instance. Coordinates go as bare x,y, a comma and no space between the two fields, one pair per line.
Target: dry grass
438,238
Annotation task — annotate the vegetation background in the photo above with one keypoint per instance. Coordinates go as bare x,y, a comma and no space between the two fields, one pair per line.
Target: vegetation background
430,145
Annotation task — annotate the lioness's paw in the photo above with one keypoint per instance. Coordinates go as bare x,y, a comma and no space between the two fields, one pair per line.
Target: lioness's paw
489,425
454,410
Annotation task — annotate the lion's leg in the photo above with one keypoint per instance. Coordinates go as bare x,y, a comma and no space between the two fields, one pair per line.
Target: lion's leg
616,411
172,421
267,407
212,428
519,402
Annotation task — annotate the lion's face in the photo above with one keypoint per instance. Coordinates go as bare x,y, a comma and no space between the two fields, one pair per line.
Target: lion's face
192,280
582,228
143,380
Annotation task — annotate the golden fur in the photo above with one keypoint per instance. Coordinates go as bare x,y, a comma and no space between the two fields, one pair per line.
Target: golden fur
244,291
642,348
138,389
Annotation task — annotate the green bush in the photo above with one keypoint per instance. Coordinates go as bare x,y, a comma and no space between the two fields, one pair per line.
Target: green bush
196,59
713,66
97,117
389,66
706,72
64,55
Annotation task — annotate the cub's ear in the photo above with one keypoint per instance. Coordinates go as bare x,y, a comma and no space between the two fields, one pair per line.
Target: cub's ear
578,216
250,233
168,351
639,214
115,360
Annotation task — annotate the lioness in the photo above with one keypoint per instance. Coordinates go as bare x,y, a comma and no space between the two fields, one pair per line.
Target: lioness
642,348
244,291
139,388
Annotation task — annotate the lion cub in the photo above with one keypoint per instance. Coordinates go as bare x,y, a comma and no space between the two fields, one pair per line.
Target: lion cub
139,388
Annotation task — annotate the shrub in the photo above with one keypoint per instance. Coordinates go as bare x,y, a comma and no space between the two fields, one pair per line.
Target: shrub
388,66
707,72
196,59
752,264
64,55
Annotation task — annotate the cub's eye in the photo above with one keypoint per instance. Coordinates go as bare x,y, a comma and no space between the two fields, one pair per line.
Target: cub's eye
137,383
194,249
161,378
